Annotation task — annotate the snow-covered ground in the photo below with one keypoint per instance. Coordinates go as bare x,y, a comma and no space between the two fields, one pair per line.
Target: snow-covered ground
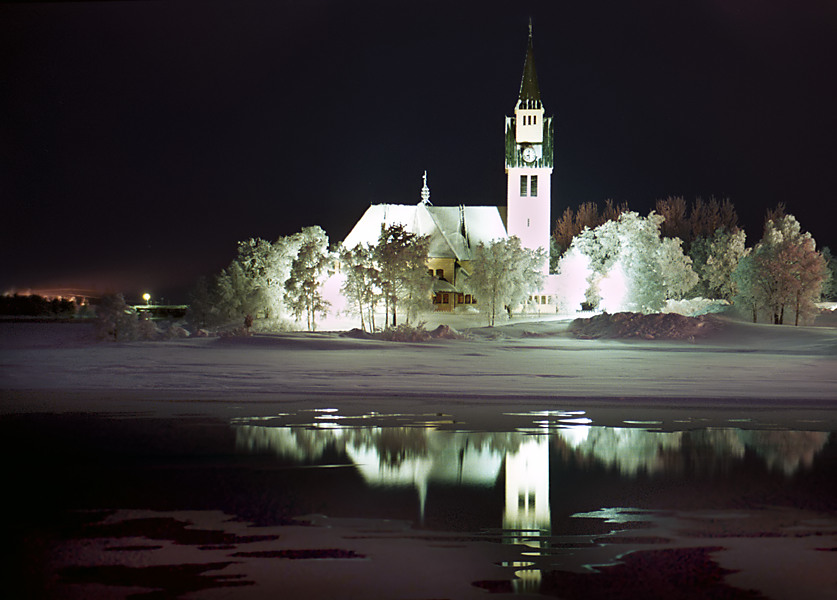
57,367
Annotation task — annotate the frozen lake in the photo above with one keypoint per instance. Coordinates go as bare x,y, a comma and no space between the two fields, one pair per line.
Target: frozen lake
325,503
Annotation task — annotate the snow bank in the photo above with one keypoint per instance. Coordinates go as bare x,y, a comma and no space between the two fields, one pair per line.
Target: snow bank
660,326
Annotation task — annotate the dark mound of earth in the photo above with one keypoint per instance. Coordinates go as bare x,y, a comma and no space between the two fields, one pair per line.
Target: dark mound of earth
659,326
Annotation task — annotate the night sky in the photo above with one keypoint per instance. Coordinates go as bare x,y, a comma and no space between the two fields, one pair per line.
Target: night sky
139,141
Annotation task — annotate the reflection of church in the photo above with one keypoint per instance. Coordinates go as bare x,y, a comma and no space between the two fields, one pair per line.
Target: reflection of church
418,458
455,231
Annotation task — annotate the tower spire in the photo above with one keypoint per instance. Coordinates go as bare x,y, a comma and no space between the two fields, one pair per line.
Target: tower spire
530,93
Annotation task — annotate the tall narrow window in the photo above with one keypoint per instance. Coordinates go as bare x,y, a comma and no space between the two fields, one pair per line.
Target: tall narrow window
534,186
524,189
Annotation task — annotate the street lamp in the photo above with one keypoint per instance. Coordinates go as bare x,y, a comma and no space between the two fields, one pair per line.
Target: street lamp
147,297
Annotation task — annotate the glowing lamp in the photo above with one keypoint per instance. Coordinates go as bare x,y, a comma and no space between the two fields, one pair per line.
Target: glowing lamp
147,297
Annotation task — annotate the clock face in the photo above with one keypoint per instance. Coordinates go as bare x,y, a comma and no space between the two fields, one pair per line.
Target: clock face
529,154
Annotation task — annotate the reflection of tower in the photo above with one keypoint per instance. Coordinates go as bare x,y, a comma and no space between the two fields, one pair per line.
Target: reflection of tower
527,502
527,487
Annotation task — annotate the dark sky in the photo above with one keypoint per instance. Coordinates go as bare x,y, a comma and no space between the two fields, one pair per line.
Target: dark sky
139,141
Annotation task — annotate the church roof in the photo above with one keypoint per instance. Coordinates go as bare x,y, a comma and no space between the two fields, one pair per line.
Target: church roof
454,230
530,93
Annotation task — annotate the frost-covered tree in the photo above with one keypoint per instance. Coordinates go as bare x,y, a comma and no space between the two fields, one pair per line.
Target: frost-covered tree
267,266
303,288
504,274
726,248
401,257
829,284
115,319
746,299
362,284
785,272
714,259
632,266
571,223
789,271
253,283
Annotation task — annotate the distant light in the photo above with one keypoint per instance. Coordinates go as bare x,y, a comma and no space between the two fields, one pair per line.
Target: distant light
147,297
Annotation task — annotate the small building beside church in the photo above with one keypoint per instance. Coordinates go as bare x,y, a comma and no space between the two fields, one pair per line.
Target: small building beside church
455,231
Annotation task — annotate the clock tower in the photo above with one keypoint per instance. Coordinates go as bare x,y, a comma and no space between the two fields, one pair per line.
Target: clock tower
529,140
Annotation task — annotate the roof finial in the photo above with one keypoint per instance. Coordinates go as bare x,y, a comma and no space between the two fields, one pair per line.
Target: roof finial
530,26
425,191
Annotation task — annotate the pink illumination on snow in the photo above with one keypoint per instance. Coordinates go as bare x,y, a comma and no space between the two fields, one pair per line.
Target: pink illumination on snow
572,281
613,289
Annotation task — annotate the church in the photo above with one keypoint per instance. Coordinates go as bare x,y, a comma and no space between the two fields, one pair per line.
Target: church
454,231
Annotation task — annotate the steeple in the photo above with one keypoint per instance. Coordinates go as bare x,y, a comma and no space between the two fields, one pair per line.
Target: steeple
530,93
425,191
529,135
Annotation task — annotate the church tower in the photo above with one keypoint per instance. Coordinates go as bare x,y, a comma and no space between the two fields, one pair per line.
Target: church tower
529,142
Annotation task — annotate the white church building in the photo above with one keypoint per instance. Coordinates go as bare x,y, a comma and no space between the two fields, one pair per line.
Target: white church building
455,231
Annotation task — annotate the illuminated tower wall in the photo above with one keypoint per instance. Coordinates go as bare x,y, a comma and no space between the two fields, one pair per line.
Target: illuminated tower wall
529,151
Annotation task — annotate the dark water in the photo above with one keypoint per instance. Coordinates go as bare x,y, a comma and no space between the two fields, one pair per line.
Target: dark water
561,491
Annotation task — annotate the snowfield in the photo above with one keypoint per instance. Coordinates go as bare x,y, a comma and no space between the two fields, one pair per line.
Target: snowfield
61,367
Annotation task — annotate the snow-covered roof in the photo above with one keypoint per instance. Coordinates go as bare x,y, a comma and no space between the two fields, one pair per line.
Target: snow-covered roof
453,230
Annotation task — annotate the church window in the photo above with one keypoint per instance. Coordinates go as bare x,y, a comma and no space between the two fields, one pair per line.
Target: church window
533,186
467,298
460,298
524,187
534,119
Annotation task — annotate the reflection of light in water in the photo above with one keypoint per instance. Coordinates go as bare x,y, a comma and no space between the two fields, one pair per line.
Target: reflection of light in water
574,435
616,515
787,451
416,456
527,508
527,486
392,456
628,449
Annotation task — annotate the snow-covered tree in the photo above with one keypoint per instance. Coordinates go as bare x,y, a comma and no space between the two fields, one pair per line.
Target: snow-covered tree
303,293
504,274
401,257
787,272
829,285
726,248
571,223
746,299
115,319
714,259
362,284
633,268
